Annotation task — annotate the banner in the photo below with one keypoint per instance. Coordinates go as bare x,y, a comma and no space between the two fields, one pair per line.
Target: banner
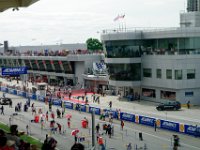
114,113
4,89
40,98
147,120
192,130
68,105
13,71
96,110
127,117
83,108
173,126
57,102
12,91
21,93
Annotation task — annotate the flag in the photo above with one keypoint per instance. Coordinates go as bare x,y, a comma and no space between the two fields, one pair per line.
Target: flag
119,17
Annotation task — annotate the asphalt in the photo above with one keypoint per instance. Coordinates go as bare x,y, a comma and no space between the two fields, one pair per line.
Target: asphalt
153,140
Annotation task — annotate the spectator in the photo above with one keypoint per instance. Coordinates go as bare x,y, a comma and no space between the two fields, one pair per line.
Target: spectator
77,146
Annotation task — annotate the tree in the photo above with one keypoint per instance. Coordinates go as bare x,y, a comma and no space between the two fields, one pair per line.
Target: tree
94,44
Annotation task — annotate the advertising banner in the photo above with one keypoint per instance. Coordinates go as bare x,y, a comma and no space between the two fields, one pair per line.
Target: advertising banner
147,121
69,105
13,71
173,126
192,130
83,108
57,102
4,89
21,93
96,110
12,91
40,98
127,117
114,113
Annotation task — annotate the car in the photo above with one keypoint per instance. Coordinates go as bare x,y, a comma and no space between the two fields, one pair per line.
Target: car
5,101
169,106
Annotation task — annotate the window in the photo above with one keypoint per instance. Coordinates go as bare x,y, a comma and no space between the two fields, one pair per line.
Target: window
189,94
168,95
147,72
159,73
190,73
169,74
148,92
178,74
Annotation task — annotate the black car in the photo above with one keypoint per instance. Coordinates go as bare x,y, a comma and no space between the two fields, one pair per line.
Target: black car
5,101
169,106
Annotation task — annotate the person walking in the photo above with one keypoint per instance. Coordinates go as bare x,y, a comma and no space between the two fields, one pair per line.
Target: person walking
68,122
2,110
110,104
155,125
97,128
122,124
10,104
47,116
188,104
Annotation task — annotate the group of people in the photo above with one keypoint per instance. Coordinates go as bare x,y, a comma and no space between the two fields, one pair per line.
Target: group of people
12,141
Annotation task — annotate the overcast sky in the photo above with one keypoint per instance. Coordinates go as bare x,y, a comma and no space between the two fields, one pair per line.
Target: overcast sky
74,21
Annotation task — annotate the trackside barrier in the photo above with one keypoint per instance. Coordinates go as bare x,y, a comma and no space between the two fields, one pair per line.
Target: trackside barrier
31,95
12,91
56,102
147,120
108,111
135,118
96,110
4,89
21,93
168,125
69,105
40,98
127,117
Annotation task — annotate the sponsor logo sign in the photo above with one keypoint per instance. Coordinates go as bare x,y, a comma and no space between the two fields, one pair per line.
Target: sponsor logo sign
21,93
14,70
107,112
127,117
12,91
192,130
4,89
83,108
96,110
146,120
40,98
57,102
68,105
173,126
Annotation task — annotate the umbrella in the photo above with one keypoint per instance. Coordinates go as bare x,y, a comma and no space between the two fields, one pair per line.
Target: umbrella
74,132
68,116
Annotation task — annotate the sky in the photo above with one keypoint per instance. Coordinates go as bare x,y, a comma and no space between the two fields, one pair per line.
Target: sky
50,22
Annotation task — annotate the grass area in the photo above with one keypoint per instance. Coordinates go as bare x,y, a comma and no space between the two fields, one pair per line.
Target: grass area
25,138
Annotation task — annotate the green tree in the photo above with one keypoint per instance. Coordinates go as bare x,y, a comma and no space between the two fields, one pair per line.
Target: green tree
94,44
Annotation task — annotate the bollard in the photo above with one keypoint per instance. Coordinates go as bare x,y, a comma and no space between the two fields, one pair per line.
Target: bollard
140,136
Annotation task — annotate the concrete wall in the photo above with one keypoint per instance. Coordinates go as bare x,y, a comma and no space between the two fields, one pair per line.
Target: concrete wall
175,62
79,70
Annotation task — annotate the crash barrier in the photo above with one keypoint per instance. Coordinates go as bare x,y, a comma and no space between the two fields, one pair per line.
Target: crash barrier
135,118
